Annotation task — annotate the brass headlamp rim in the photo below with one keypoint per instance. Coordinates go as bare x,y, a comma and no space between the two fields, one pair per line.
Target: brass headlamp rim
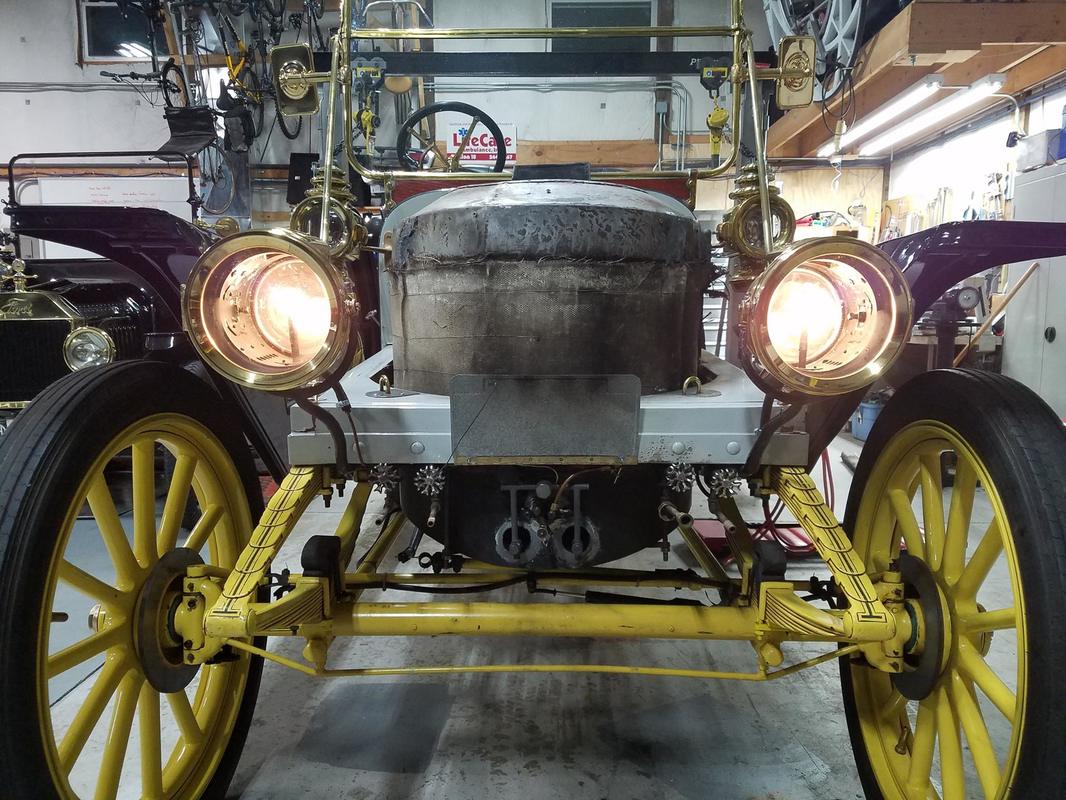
340,293
731,228
355,233
110,352
768,369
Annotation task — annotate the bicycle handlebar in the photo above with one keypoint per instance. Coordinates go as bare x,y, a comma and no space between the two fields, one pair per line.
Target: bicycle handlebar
132,76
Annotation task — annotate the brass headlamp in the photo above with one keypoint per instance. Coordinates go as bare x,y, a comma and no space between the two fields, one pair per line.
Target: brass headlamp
346,233
742,230
826,317
270,310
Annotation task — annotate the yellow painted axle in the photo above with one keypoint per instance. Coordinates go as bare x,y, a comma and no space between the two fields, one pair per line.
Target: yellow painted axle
623,621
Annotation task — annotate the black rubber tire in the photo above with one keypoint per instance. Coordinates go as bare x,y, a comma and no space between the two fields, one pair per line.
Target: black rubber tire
1023,444
250,78
403,138
289,127
42,457
860,29
175,87
274,8
213,157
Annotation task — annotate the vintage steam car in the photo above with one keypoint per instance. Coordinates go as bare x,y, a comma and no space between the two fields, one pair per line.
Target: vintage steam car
540,406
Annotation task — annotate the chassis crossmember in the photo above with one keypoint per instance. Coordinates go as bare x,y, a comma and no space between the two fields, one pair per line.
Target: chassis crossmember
871,620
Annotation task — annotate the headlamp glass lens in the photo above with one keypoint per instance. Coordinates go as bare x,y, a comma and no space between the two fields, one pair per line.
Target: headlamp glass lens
88,347
827,317
267,311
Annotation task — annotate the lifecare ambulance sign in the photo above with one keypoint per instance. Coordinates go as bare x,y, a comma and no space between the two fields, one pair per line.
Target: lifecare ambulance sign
481,149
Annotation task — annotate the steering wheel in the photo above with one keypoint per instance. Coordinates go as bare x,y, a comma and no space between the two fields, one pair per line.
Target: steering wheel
430,156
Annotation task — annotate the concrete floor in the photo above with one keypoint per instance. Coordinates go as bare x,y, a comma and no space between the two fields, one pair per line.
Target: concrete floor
572,737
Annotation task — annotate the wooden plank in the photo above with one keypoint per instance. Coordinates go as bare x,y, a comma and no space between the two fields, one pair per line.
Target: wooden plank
260,215
962,41
943,27
602,153
598,153
96,171
1042,66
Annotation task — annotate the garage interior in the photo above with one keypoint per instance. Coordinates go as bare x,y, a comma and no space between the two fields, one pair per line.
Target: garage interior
929,114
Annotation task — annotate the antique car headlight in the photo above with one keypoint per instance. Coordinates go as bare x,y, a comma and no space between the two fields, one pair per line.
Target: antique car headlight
270,310
826,317
88,347
744,227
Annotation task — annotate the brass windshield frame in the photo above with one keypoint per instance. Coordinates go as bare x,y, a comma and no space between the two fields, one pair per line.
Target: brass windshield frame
341,71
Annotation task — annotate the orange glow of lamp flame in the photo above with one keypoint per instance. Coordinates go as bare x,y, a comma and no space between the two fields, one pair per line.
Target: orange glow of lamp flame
804,318
292,310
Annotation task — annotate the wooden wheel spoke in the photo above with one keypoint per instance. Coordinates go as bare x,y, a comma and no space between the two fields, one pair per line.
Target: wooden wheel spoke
177,499
973,725
440,159
118,736
84,722
973,667
952,775
424,141
932,509
959,515
151,747
922,747
186,718
981,563
144,532
907,522
80,652
466,140
894,707
203,529
89,585
983,621
111,531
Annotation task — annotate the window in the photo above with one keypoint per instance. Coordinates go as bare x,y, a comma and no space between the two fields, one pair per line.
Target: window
601,15
108,36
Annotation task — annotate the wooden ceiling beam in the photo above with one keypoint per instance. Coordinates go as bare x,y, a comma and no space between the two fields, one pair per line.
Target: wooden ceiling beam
961,41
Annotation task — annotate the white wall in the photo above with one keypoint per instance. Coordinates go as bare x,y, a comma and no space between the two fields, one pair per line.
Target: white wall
579,114
961,163
964,162
38,46
38,43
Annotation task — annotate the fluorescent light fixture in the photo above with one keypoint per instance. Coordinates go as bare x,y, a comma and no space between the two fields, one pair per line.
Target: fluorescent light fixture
943,110
885,114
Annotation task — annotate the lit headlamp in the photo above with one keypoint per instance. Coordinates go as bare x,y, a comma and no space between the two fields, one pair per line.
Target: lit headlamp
826,317
269,310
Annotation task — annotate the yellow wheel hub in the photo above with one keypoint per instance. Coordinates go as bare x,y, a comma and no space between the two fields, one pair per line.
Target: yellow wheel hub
960,685
136,694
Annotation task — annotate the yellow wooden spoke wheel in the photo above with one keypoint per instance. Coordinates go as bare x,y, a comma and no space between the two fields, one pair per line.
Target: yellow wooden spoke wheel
113,482
962,489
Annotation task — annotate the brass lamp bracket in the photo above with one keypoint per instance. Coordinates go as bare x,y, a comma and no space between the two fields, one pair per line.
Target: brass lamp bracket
734,230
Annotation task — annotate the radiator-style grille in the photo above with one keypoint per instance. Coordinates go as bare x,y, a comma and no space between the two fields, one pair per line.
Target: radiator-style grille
31,356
